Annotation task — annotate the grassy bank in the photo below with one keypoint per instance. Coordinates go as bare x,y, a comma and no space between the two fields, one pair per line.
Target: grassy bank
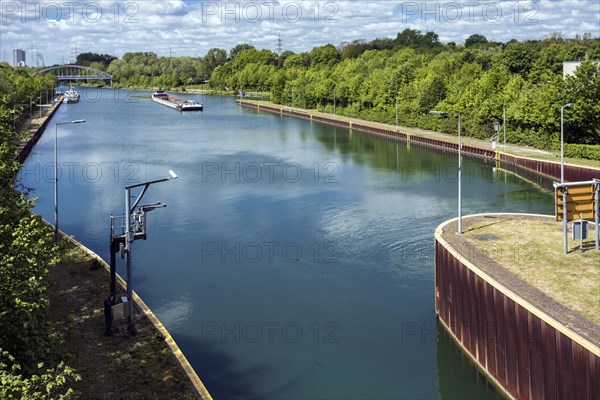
533,251
111,367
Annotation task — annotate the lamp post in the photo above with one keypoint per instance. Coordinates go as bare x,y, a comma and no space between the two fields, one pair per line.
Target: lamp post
459,229
562,142
504,123
130,235
78,121
334,102
396,113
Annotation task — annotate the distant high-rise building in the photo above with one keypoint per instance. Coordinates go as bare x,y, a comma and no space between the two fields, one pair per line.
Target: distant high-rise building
19,58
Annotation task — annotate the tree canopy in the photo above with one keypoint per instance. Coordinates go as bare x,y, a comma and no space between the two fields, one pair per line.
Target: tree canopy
414,70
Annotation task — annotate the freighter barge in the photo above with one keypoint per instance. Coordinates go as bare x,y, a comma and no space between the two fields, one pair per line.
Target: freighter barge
178,104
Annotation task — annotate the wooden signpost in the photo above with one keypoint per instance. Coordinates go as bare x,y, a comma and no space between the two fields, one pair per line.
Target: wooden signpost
577,201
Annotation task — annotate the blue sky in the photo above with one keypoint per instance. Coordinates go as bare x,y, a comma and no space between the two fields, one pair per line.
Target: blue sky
58,29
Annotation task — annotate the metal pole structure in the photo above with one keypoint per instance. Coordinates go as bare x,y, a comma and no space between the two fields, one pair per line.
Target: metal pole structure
597,215
79,121
562,146
562,142
113,255
56,183
581,231
130,325
459,179
113,268
565,214
334,103
396,113
130,236
504,123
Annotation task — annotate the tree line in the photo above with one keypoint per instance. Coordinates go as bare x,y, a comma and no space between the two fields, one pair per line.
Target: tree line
413,74
30,368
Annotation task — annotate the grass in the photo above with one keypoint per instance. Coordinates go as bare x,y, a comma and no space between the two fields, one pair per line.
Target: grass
121,366
533,250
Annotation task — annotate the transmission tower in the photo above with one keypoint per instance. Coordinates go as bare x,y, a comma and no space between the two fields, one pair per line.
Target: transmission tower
40,58
279,45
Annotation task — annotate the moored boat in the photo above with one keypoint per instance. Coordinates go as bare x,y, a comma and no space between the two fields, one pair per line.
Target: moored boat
71,96
161,97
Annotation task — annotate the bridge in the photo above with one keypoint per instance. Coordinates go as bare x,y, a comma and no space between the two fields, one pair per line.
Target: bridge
72,72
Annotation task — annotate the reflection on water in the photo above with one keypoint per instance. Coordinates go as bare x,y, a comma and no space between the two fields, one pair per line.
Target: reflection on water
454,368
294,260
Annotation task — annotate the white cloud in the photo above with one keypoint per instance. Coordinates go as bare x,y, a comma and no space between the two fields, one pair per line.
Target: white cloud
58,29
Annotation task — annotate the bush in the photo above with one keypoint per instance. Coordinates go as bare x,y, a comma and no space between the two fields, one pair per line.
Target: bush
587,151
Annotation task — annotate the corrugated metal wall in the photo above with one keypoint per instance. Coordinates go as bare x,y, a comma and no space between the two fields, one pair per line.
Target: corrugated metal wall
524,354
572,173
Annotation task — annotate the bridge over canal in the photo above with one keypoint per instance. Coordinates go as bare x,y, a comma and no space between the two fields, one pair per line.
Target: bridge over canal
72,72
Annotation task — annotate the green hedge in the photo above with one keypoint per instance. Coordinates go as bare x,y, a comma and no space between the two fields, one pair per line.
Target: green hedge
587,151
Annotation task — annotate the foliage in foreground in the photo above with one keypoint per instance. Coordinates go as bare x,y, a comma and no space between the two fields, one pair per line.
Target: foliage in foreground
27,251
43,385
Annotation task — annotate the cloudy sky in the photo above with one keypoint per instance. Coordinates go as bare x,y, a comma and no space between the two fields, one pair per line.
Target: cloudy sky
59,29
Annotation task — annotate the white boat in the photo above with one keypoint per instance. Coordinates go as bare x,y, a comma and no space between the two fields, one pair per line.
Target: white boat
178,104
71,96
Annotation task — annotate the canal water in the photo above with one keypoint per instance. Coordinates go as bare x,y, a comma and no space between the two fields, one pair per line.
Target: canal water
294,260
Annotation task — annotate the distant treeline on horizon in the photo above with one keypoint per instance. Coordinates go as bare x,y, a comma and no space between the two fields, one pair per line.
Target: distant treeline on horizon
412,74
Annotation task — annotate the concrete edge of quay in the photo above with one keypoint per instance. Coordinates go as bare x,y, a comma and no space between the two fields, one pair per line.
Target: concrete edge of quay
143,308
32,138
547,168
522,350
25,147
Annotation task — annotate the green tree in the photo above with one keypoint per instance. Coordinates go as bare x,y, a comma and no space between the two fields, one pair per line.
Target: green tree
415,38
43,385
326,56
519,57
27,251
434,91
214,58
239,49
475,39
583,90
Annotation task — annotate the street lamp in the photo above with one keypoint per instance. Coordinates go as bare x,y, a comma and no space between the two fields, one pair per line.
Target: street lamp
396,113
130,235
334,102
77,121
459,229
562,142
503,121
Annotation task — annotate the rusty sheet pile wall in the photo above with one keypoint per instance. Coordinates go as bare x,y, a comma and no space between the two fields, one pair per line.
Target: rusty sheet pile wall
550,169
524,354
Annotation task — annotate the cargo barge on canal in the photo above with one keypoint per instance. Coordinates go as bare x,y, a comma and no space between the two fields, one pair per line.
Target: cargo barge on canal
178,104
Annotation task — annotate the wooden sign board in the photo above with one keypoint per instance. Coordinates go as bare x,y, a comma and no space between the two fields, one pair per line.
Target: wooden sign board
580,200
